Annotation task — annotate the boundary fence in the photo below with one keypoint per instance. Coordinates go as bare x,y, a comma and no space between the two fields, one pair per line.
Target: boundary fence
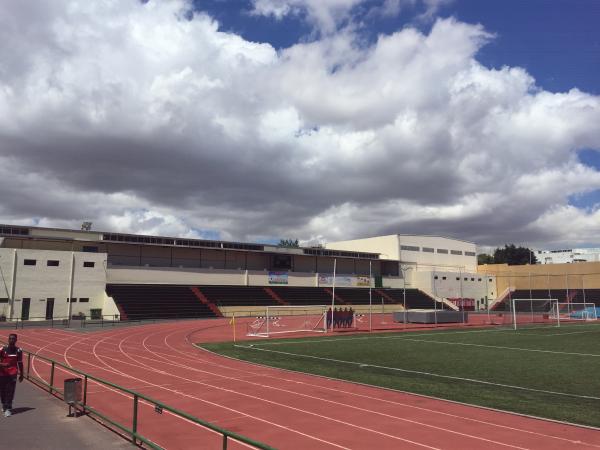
129,431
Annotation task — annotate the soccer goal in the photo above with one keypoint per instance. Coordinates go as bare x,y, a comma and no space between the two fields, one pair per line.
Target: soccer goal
575,311
289,319
534,311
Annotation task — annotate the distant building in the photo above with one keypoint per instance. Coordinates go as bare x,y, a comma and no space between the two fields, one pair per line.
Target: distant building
574,255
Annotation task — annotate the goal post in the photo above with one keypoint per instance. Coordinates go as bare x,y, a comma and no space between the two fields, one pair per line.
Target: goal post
575,311
289,319
534,311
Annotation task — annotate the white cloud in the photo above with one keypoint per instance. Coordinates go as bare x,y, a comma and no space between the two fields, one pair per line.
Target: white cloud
142,118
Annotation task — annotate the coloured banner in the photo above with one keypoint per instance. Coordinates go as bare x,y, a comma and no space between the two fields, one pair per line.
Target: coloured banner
363,280
340,280
278,278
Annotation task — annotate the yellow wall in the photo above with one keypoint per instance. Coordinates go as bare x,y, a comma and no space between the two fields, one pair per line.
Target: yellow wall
544,276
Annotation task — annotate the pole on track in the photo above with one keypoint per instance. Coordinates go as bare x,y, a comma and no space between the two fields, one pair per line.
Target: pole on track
370,300
333,292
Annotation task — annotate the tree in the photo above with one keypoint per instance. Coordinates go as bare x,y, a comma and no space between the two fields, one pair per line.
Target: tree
289,243
484,258
514,256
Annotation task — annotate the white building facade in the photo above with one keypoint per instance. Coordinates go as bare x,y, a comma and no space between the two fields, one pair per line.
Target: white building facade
573,255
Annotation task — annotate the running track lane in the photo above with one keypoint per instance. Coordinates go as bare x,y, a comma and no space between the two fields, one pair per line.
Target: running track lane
281,408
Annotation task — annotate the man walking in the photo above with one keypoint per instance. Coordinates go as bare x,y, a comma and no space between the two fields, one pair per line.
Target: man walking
11,365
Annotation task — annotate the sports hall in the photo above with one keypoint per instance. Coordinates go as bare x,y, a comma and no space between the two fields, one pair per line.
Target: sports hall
183,343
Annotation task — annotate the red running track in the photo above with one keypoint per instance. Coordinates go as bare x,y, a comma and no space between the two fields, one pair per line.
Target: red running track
281,408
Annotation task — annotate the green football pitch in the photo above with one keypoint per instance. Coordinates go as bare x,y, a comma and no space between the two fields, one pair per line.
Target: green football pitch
546,372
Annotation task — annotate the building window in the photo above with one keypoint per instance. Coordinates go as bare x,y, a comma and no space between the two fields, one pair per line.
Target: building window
428,250
443,278
470,253
490,280
89,264
457,278
84,300
456,252
3,300
410,248
478,279
73,300
472,279
435,277
52,263
442,250
29,262
90,249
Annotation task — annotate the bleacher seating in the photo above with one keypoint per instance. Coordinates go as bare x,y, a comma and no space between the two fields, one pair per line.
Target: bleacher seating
140,302
573,296
415,298
238,295
303,295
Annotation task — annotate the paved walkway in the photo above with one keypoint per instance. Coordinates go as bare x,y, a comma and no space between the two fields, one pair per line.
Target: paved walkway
40,421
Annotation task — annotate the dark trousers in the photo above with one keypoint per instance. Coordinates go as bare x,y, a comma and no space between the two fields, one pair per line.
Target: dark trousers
7,391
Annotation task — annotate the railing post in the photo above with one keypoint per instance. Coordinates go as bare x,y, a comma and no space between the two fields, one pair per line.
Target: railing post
52,377
85,382
224,442
28,364
134,424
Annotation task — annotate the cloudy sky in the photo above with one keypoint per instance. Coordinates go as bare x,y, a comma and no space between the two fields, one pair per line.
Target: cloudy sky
320,120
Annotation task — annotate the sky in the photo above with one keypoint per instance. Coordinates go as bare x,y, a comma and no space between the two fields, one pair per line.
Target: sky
317,120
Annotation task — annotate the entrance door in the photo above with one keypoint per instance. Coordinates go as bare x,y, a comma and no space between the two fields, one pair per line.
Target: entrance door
49,308
25,309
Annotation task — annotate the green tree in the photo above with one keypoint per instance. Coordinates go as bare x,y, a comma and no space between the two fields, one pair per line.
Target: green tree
484,258
514,256
289,243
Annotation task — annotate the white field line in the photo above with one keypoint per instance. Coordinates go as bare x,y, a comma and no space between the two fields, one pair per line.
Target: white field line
520,349
126,395
418,372
183,394
404,335
322,399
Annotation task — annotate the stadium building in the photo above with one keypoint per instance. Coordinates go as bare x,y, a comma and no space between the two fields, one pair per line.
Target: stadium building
60,273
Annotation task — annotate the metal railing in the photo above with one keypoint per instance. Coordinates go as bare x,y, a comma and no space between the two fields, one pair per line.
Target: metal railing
132,430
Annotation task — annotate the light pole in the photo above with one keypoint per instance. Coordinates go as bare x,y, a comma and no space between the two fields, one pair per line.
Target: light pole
403,269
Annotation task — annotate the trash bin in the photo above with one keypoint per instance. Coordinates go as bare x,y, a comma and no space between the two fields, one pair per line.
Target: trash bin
72,391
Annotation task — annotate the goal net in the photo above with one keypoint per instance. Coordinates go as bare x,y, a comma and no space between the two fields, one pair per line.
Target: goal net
289,319
574,311
534,311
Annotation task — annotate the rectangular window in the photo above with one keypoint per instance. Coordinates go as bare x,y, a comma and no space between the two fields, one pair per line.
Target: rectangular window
89,264
435,277
457,278
478,279
410,248
490,280
73,300
428,250
3,300
472,279
470,253
443,278
90,249
84,300
456,252
29,262
52,263
442,250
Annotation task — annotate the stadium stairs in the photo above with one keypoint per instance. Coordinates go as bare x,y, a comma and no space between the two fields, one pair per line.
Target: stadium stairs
276,297
238,296
142,302
206,301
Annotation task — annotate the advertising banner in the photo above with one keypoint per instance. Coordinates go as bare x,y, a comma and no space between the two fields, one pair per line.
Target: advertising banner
278,278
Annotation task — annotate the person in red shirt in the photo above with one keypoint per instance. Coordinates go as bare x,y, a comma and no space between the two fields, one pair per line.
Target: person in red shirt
11,365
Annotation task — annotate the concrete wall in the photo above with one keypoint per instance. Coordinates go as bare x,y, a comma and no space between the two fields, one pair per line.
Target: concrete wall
449,284
57,275
386,245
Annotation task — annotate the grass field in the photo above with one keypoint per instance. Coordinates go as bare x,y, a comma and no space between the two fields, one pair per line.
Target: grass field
547,372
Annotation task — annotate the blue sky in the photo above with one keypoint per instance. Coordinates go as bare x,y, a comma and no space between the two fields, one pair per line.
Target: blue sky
556,41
